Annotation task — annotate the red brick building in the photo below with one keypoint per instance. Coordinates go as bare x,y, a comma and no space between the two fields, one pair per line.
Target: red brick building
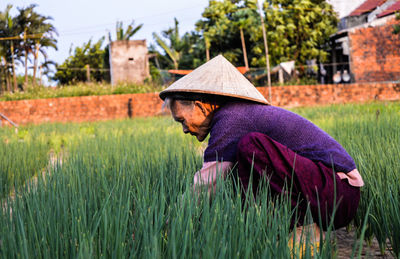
365,46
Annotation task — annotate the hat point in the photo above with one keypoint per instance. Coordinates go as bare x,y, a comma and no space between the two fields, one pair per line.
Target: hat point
217,77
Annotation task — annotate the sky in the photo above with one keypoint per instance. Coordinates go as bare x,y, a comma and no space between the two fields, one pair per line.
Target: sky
77,21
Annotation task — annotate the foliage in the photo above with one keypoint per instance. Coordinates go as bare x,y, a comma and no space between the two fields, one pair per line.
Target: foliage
31,159
10,53
73,69
193,51
220,26
127,34
80,89
396,27
368,132
132,198
38,36
30,34
174,49
184,52
298,30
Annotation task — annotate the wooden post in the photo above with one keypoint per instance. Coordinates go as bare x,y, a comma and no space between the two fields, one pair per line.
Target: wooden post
266,50
1,74
15,86
4,62
246,62
88,73
26,60
207,43
40,75
280,74
35,62
7,75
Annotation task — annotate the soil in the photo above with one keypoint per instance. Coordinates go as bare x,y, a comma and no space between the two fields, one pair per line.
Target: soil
345,242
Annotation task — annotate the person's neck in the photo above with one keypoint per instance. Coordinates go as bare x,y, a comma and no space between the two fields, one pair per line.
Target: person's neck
210,111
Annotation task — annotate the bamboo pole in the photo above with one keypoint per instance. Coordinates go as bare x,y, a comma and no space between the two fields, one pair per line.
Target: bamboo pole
2,89
10,121
266,49
88,73
246,62
207,43
40,75
35,62
26,59
15,86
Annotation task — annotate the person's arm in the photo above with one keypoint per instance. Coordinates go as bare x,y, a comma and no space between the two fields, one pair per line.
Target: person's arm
207,176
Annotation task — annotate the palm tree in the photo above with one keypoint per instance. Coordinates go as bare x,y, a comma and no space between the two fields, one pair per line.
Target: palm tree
9,28
174,50
3,71
47,40
128,33
41,37
245,17
24,20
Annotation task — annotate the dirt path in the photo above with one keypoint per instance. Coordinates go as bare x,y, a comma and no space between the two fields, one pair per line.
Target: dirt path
54,160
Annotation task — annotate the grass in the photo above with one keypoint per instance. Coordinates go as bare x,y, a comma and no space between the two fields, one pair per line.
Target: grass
81,89
120,178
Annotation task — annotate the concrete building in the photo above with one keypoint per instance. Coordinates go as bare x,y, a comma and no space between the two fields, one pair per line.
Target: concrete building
129,61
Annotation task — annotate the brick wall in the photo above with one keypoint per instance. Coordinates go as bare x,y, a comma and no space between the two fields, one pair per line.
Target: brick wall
78,109
93,108
375,53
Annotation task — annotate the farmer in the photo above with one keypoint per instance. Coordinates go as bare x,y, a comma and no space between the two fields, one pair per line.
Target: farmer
249,134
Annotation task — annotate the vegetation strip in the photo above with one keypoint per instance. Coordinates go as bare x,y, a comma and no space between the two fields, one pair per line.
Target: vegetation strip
128,177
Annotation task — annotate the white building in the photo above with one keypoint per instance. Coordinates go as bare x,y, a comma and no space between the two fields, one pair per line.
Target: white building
345,7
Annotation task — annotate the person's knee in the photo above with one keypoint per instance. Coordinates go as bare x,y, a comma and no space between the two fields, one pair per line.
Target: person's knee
249,143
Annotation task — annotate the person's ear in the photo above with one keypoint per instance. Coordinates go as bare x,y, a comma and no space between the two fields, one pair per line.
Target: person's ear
201,106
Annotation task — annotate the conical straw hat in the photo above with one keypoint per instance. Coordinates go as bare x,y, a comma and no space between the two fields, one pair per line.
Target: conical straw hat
217,77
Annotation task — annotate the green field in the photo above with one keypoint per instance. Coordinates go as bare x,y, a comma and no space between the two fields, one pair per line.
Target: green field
123,189
79,89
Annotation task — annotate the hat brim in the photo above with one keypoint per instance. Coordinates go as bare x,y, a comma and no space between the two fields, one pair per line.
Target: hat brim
167,92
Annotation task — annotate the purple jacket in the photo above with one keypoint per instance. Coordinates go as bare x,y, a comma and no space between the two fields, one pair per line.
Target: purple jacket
234,120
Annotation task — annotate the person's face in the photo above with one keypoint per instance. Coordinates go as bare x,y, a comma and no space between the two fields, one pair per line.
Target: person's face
195,119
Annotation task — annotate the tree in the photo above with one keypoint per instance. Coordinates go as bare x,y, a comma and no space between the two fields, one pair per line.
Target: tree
245,17
220,33
175,46
299,29
25,20
41,44
127,34
38,36
192,50
396,27
9,29
228,28
4,76
73,68
26,34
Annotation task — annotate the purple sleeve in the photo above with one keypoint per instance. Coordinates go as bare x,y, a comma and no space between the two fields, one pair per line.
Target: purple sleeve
224,136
